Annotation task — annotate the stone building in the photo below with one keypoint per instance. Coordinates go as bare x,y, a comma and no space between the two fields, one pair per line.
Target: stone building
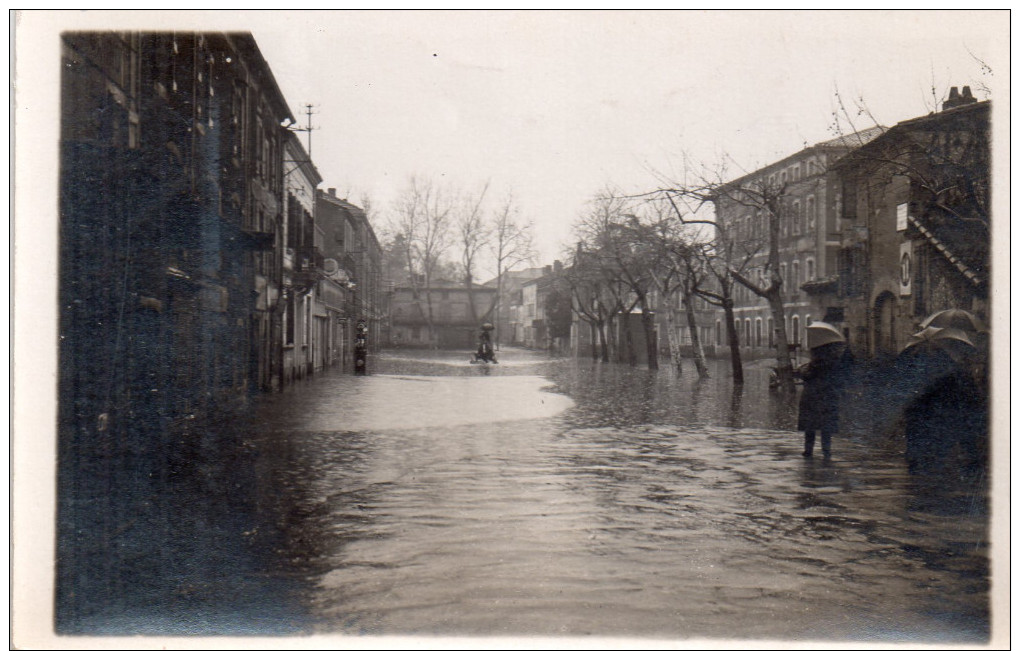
915,216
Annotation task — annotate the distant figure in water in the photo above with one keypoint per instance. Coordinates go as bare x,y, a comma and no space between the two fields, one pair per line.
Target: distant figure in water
824,379
361,349
485,353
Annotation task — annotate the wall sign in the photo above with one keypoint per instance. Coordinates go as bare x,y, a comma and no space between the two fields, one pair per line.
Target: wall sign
906,267
901,217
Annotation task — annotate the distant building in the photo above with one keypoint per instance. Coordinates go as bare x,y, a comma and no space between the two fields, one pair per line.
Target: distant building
453,326
507,313
537,321
915,216
809,239
303,335
349,240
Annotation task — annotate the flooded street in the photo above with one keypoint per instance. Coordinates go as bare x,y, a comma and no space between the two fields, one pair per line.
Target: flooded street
562,497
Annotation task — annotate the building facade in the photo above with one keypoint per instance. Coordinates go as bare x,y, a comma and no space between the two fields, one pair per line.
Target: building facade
916,217
507,313
300,309
170,206
806,192
350,242
453,326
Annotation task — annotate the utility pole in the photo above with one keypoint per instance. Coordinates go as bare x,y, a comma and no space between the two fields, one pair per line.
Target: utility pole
308,129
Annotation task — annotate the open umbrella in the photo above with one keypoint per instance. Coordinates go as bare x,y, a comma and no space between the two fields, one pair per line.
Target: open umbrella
955,318
488,326
821,333
953,334
922,337
957,343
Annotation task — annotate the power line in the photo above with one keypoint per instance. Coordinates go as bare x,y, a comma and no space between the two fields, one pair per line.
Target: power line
308,129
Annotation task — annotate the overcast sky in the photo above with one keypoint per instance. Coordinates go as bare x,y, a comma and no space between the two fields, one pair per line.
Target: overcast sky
556,105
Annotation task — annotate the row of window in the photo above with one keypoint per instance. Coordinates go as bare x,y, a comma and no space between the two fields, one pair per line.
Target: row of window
794,173
792,280
800,218
760,333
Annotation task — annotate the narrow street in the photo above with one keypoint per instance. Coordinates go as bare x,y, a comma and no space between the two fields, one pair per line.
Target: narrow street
547,497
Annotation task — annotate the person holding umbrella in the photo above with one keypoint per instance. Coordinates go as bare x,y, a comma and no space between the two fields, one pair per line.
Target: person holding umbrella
824,378
946,408
485,353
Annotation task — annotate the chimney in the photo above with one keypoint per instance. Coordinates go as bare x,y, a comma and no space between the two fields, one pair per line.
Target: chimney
557,266
332,191
958,99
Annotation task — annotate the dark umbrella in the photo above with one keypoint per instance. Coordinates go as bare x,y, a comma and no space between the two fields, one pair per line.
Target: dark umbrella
955,318
923,337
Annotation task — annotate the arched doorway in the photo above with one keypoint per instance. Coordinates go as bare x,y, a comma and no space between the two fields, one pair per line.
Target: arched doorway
885,320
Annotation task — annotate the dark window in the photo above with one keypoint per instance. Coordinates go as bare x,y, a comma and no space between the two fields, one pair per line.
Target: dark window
849,199
289,326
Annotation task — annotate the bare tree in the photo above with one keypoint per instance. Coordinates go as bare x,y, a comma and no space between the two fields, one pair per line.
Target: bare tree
717,258
947,161
511,244
768,199
473,236
613,232
672,248
592,300
751,259
423,215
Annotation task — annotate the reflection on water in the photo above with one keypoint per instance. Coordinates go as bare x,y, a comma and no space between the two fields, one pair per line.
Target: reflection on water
536,496
644,505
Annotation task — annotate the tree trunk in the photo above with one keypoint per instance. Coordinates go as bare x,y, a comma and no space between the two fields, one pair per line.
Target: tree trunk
628,343
699,354
430,325
784,367
603,343
469,282
651,343
734,342
499,304
671,334
594,341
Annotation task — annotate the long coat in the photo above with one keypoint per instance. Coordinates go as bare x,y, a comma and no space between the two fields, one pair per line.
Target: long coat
824,379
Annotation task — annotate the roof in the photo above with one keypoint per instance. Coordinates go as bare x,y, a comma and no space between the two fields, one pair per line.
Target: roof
852,140
441,285
956,236
956,242
849,141
523,275
959,112
247,40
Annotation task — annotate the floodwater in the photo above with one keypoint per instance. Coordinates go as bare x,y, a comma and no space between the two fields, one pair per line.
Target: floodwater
563,497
